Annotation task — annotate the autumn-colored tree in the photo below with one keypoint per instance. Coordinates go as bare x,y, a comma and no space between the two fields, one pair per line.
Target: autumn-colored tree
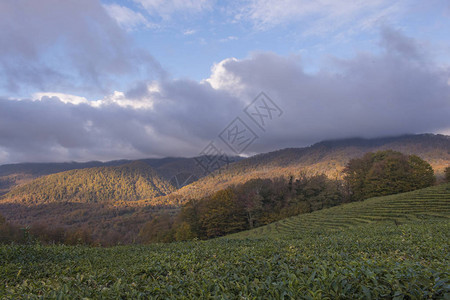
160,229
255,203
250,197
80,236
118,185
46,234
9,233
222,214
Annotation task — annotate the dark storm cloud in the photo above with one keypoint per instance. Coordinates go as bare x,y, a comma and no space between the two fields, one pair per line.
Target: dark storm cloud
72,44
184,116
399,90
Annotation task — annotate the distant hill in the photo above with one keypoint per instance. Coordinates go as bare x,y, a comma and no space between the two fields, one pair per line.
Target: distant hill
328,157
118,184
430,203
178,170
16,174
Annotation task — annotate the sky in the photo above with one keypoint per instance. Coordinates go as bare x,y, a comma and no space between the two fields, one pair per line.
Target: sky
88,80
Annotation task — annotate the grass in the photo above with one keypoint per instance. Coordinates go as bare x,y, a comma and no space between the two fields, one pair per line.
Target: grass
351,252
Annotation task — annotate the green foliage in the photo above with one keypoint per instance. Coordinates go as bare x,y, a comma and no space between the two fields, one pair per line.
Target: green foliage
254,203
387,172
222,214
429,203
447,174
392,247
184,232
379,261
422,174
130,182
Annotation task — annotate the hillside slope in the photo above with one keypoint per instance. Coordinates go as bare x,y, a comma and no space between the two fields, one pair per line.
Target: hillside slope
429,203
12,175
180,171
114,185
327,157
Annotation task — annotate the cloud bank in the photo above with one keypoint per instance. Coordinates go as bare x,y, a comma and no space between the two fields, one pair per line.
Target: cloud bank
397,90
71,45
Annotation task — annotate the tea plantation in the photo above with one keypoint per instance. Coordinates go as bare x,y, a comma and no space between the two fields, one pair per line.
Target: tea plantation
429,203
394,247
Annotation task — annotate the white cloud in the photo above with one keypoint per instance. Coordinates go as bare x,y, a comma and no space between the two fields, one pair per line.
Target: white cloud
116,98
67,45
317,17
127,18
222,79
444,131
166,8
121,100
65,98
189,32
229,38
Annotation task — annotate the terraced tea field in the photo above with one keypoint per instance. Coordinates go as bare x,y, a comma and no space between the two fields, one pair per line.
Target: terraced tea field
429,203
356,251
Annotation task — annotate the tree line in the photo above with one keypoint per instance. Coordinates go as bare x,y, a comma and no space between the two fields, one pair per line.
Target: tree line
245,206
10,233
262,201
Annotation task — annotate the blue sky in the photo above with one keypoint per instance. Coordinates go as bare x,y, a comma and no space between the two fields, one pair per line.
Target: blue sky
187,41
91,79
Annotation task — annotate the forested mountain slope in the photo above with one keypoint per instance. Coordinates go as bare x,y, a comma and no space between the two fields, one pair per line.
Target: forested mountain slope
12,175
113,185
178,170
327,157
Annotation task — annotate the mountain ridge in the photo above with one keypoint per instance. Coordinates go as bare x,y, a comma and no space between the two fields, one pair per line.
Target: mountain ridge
328,157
